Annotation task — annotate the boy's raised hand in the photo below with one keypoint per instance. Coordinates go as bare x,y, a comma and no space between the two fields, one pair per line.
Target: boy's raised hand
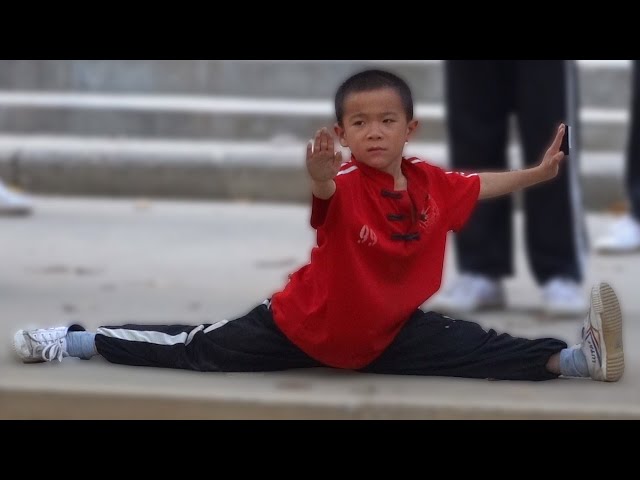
323,162
551,162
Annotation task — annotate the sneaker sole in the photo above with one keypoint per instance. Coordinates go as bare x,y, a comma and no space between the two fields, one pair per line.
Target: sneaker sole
606,304
19,338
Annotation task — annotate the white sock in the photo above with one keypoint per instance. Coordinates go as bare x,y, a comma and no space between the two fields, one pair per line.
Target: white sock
573,362
81,344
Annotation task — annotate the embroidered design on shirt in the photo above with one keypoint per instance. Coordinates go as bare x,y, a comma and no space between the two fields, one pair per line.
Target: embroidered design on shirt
368,236
428,215
424,217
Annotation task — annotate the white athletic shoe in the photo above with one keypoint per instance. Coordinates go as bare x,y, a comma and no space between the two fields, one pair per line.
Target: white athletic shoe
602,335
469,293
623,237
13,203
41,345
562,297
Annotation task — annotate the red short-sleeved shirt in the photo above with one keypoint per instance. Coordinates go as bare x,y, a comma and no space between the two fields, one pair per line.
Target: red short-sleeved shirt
379,256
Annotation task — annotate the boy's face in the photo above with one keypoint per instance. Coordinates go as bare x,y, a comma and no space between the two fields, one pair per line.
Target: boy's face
375,127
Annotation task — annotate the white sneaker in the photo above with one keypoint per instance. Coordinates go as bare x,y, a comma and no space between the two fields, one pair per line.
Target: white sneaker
623,236
469,293
12,203
562,297
41,345
602,335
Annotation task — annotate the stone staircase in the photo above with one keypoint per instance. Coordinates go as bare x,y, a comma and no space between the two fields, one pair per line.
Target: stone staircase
234,129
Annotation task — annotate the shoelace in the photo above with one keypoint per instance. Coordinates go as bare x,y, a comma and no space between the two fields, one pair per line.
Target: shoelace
53,349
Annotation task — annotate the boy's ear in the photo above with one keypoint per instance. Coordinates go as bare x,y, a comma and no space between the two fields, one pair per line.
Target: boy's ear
339,131
412,126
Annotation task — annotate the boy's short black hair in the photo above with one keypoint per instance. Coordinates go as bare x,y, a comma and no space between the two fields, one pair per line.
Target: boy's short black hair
372,80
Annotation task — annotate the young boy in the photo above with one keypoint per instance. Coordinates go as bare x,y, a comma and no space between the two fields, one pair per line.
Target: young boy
382,222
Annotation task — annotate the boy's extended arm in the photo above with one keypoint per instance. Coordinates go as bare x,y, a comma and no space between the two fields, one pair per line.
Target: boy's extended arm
323,164
495,184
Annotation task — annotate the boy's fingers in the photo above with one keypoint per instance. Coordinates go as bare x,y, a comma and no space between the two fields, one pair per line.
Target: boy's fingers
309,149
557,142
329,143
316,144
324,139
338,158
555,146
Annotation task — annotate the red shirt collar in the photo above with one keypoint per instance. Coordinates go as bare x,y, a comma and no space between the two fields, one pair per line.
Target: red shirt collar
386,180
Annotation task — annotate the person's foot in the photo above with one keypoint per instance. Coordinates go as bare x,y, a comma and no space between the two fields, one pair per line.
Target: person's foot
623,237
13,203
602,335
563,298
469,293
41,345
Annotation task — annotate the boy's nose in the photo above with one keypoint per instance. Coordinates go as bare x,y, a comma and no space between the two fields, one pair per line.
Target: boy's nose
374,132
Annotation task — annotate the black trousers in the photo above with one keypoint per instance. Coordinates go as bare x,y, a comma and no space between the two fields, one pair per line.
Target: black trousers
481,96
429,344
632,172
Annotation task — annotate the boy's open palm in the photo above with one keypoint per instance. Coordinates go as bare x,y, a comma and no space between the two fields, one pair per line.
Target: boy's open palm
551,162
323,162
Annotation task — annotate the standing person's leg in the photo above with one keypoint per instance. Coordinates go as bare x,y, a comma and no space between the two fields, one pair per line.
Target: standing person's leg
624,234
435,345
632,169
555,229
478,104
250,343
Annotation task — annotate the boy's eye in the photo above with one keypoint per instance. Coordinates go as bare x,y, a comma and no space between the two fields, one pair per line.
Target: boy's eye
389,120
358,123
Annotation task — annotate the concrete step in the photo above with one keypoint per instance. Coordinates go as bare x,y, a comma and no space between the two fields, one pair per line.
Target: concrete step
292,79
604,83
228,118
273,171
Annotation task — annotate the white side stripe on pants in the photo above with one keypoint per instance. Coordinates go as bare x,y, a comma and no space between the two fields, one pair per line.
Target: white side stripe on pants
157,338
576,199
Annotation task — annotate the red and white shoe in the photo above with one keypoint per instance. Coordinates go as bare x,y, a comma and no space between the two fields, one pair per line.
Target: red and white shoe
602,335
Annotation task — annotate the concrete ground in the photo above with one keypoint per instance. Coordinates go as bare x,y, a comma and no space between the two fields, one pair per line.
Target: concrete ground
109,261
